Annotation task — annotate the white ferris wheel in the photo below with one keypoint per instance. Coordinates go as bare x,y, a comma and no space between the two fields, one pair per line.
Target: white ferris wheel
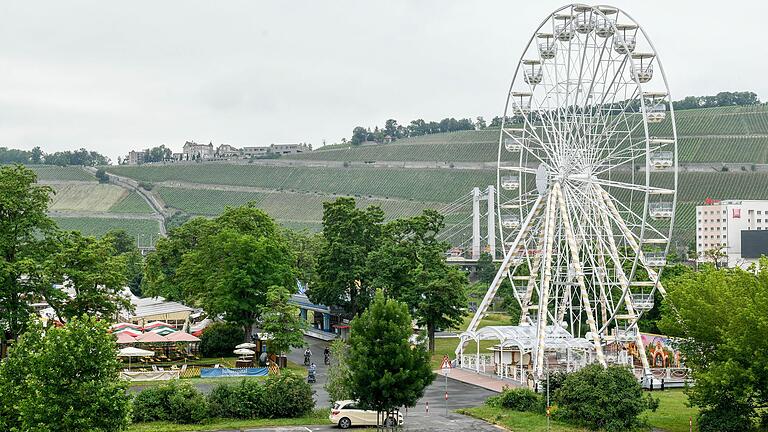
587,179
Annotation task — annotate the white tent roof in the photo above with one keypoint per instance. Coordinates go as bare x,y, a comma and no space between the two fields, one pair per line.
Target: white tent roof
524,337
152,306
135,352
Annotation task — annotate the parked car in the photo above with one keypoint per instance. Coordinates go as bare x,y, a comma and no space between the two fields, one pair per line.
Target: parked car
346,413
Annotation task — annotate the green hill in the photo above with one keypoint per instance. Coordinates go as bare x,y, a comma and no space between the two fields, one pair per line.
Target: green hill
711,135
292,190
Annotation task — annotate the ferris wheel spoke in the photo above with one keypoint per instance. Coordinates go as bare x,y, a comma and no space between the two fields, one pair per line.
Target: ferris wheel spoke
623,185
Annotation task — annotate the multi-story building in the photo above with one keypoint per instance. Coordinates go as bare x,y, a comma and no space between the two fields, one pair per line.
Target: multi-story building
136,157
284,149
738,229
249,152
195,151
227,151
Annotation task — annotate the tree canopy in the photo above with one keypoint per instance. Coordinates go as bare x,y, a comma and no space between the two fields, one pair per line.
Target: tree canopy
719,316
386,371
282,321
410,265
23,227
350,234
64,379
224,265
37,156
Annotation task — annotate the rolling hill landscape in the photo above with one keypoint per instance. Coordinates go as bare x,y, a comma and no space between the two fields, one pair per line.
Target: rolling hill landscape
722,154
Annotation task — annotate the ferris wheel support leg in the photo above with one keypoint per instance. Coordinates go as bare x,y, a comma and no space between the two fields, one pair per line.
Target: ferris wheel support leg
576,262
631,240
503,269
614,254
541,329
525,303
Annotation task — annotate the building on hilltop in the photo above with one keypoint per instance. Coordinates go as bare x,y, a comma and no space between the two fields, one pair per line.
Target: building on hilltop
136,157
255,152
195,151
285,149
226,151
734,232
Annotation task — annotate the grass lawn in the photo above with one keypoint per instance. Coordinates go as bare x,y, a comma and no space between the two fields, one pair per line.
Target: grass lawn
672,416
517,421
447,346
316,417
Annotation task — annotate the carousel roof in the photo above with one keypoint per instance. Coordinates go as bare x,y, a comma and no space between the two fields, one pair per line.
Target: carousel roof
524,337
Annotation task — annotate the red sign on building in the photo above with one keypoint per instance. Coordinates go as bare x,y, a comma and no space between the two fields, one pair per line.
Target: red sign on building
736,213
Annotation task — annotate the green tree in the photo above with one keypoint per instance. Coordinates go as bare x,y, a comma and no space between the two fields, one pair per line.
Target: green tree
92,276
134,271
410,265
36,155
220,339
161,269
350,234
386,371
306,247
229,274
102,175
64,379
339,383
719,316
224,265
485,269
121,241
282,321
24,226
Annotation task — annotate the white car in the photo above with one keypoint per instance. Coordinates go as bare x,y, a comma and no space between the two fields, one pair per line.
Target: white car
346,413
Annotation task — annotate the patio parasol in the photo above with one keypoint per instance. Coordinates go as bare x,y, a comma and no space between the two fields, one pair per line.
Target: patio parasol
243,352
125,338
181,336
246,345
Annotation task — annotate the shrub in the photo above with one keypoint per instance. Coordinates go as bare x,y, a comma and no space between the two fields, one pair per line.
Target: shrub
600,398
147,186
521,399
242,401
172,401
287,395
102,175
219,339
726,417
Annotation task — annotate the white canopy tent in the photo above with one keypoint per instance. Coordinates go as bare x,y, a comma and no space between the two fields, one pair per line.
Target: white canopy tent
134,352
512,354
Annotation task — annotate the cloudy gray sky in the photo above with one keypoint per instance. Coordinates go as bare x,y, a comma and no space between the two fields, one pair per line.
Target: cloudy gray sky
118,75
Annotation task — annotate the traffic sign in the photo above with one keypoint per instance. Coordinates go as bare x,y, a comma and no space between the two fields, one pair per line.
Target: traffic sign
446,364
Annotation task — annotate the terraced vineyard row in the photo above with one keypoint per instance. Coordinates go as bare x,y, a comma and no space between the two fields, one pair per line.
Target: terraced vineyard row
132,203
306,208
434,185
706,135
99,226
53,172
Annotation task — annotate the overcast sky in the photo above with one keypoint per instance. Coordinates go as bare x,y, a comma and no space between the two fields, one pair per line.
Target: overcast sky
112,76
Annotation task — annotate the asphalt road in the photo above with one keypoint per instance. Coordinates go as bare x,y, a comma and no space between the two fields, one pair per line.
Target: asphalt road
460,395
